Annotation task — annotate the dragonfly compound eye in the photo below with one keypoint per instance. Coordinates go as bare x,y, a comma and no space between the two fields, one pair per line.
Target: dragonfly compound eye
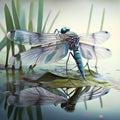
64,30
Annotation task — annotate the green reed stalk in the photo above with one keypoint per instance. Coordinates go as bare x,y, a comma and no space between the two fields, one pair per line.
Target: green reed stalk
9,26
30,24
16,19
18,6
40,16
44,26
53,21
2,28
90,17
88,27
102,20
101,27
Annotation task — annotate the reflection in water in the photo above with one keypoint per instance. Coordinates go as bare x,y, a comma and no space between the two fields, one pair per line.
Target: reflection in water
17,96
42,96
35,96
83,94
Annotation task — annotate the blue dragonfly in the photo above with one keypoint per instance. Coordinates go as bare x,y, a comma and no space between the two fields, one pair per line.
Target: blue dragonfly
52,47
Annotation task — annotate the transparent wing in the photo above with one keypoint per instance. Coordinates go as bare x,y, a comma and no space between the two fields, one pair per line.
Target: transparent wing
32,38
35,96
95,38
92,52
94,92
48,54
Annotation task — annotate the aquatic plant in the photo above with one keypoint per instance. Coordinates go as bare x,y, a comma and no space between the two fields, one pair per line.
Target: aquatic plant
16,19
101,27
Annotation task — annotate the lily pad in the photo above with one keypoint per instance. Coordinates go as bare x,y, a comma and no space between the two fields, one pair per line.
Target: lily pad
54,80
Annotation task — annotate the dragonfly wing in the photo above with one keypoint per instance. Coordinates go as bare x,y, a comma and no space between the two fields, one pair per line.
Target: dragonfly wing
95,38
48,54
92,52
35,96
32,38
94,92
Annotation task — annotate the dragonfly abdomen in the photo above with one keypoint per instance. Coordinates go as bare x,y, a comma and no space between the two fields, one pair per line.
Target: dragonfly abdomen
79,63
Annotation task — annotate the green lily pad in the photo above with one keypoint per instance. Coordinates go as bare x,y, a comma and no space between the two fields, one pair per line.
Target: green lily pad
54,80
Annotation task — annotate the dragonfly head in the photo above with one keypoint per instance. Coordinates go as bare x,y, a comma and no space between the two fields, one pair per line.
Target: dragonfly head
64,30
10,34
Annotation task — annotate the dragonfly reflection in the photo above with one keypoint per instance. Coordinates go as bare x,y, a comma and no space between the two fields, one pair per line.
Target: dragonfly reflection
82,94
47,96
52,47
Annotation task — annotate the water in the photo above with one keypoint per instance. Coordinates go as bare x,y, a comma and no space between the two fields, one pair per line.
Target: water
21,99
46,102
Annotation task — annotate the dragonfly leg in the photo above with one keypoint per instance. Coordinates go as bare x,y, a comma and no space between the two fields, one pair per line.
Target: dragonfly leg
56,31
87,64
32,66
96,68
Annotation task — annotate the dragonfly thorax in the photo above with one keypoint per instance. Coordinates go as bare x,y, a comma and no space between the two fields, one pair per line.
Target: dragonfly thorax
74,40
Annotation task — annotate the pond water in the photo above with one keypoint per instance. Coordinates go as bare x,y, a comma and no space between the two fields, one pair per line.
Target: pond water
32,98
43,95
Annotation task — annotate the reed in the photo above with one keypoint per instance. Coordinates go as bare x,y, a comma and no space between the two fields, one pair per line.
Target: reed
16,19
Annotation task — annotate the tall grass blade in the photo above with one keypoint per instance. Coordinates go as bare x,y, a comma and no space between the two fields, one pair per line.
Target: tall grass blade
53,21
10,111
9,26
102,20
30,24
3,43
85,103
44,26
89,22
29,111
22,19
17,24
90,16
15,113
38,113
20,112
40,15
101,27
8,18
15,16
101,102
18,6
2,28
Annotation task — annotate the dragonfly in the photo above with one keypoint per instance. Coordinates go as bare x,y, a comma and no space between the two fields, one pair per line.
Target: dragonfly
52,47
